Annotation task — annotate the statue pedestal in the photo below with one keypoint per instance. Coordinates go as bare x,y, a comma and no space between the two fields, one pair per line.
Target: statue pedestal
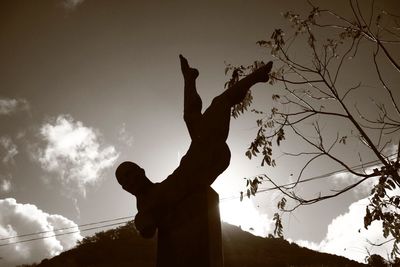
190,236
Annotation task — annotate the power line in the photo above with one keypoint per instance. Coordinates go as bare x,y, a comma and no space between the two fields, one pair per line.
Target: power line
60,234
326,175
66,228
368,164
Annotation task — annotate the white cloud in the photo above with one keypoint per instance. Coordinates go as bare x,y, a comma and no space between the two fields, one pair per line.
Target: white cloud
10,149
74,152
244,214
71,4
124,136
18,219
346,235
344,179
5,185
391,150
9,105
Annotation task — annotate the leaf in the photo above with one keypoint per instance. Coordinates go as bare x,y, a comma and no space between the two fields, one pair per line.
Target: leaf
385,231
227,69
311,40
275,97
396,201
282,203
262,42
248,154
343,140
266,159
252,191
367,218
254,187
278,231
391,184
281,136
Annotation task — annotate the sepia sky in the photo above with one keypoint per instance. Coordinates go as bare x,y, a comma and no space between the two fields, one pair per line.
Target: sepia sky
87,84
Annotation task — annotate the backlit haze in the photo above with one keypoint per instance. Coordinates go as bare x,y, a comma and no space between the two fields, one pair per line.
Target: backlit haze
88,84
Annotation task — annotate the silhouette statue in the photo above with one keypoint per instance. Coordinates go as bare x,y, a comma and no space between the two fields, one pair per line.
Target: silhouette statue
165,204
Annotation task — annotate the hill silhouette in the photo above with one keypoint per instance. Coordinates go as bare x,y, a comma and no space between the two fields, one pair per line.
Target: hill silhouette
124,247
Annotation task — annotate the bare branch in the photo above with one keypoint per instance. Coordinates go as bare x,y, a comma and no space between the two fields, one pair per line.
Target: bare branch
339,192
303,169
349,169
342,59
391,59
372,13
351,89
380,244
383,82
300,154
299,82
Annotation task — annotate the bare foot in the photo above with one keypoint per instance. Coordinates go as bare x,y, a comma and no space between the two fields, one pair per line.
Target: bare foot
189,74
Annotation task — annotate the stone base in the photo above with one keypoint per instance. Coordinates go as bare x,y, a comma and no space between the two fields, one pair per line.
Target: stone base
190,236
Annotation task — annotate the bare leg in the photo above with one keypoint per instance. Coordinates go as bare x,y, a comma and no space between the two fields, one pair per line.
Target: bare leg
213,125
216,119
236,93
192,101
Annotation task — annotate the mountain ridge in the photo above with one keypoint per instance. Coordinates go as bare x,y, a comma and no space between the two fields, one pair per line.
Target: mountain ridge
124,247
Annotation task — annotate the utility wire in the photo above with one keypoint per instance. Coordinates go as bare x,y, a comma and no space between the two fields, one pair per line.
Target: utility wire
360,166
60,234
326,175
66,228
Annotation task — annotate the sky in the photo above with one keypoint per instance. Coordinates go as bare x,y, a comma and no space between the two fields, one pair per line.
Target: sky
86,85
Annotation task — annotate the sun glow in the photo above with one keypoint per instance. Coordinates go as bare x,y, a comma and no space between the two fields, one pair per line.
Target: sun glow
244,214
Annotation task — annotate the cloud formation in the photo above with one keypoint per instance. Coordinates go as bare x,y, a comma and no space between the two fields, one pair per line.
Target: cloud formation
18,219
10,105
8,150
5,185
71,4
74,153
346,235
345,179
124,136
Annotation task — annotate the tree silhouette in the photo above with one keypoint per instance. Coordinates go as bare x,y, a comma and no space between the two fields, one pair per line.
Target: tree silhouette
377,261
312,64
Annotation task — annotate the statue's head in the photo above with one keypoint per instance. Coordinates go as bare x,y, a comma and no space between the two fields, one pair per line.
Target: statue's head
132,178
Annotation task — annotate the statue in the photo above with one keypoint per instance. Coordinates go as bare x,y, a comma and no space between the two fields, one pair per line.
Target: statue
208,156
